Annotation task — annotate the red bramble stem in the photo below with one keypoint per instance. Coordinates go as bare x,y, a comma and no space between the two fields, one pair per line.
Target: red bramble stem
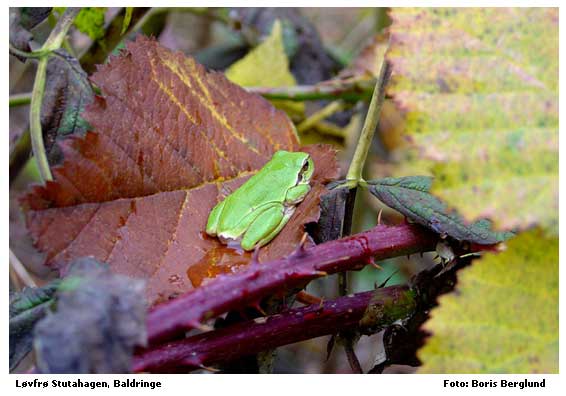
370,312
256,281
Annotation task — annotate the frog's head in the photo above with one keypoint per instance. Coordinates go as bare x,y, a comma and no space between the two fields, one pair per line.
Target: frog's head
301,164
307,170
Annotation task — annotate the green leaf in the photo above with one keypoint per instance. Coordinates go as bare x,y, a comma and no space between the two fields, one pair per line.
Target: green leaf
90,21
30,297
26,308
127,20
480,90
503,316
410,196
267,65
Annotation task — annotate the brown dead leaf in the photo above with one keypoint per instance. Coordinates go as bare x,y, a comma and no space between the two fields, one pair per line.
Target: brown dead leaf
171,140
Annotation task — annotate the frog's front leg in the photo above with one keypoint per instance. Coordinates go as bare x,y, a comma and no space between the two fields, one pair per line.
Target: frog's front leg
297,193
265,226
214,218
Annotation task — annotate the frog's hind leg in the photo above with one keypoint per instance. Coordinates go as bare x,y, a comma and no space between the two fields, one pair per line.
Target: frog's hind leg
265,227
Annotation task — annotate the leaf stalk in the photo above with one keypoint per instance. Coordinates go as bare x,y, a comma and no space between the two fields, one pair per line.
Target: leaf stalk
370,124
53,42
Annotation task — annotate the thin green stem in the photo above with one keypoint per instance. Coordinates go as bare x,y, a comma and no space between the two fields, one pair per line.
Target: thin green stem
329,129
320,115
37,144
53,42
354,178
346,90
57,35
33,54
69,48
356,166
20,99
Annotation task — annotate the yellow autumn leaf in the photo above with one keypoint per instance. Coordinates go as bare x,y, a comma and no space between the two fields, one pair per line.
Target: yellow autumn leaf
267,65
479,87
503,317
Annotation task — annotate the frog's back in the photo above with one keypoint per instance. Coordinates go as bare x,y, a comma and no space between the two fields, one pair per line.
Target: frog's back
270,184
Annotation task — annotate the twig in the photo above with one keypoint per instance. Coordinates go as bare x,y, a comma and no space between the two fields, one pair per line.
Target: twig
57,35
21,270
386,305
32,55
325,112
250,285
334,89
20,155
20,99
329,129
351,356
52,43
35,121
370,124
354,177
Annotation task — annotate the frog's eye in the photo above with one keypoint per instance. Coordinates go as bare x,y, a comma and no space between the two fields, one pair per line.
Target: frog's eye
307,170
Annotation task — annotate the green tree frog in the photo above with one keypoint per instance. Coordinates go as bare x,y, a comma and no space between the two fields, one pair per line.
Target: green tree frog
259,209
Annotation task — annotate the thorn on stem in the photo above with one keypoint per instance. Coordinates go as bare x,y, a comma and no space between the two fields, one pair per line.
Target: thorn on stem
308,299
258,307
200,326
379,217
371,261
300,249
